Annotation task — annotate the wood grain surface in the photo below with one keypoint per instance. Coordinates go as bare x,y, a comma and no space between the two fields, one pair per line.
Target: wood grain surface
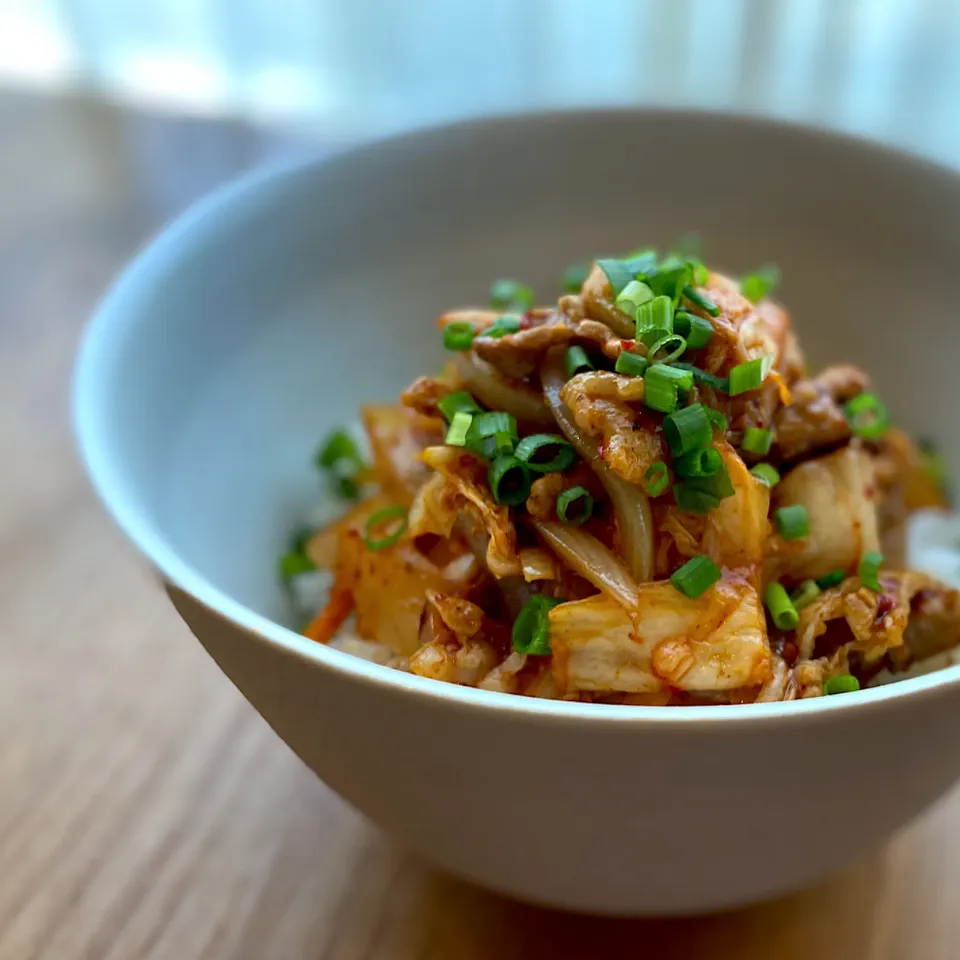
145,809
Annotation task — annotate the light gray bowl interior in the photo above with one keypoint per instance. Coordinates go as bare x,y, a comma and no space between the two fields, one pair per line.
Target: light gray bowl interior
287,301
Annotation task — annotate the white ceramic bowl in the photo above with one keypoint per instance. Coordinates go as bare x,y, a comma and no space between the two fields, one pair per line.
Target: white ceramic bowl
275,307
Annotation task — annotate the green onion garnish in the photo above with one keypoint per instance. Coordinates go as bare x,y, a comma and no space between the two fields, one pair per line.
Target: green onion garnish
667,349
841,683
338,446
631,364
867,416
641,262
681,379
721,384
766,474
793,521
805,594
458,429
656,479
757,440
659,392
696,576
633,294
749,375
575,361
655,314
832,579
394,519
780,605
295,562
492,433
687,429
460,402
511,295
717,419
759,285
508,323
698,463
868,568
574,506
701,494
670,277
531,629
509,480
698,331
575,276
618,273
703,302
458,336
545,453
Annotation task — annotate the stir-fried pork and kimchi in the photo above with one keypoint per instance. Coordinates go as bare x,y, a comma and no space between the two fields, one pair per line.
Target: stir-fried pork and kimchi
637,495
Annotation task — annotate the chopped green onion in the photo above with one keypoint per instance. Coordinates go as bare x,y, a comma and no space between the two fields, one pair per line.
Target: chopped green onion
867,416
699,332
655,314
832,579
687,429
575,360
632,364
295,562
701,301
299,541
575,276
343,487
632,295
509,480
458,429
385,518
701,275
459,402
758,286
766,474
656,479
696,576
698,463
531,629
757,440
701,494
868,568
805,594
749,375
720,384
641,262
618,273
660,392
793,521
492,433
667,349
670,277
681,379
781,607
508,323
511,295
717,419
841,683
574,506
458,336
545,453
338,446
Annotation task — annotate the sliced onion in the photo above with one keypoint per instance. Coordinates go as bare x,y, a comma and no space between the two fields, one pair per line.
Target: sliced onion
594,561
498,393
630,503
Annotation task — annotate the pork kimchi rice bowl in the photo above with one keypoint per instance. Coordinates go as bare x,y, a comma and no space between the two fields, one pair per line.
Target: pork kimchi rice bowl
637,495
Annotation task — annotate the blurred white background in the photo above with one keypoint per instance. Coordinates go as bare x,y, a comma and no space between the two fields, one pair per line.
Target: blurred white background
886,68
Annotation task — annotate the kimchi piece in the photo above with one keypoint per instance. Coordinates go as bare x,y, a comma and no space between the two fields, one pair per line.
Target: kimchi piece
637,495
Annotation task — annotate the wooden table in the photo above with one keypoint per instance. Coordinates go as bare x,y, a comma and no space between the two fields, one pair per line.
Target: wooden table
145,809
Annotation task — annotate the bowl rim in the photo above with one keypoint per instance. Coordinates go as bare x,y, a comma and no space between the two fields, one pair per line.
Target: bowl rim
119,308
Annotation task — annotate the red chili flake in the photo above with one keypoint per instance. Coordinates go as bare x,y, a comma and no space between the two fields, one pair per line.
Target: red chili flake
885,605
790,652
627,344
